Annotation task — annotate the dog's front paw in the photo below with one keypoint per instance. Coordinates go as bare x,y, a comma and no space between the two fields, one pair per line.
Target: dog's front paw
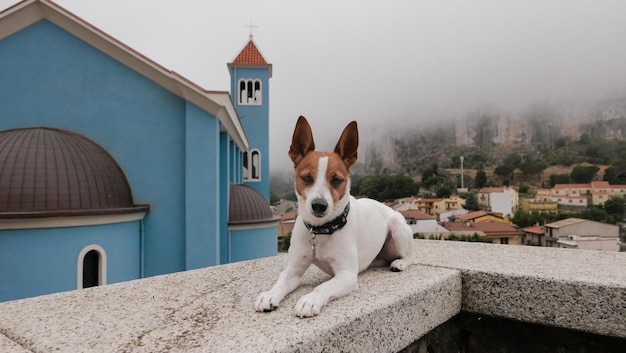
310,305
399,265
266,301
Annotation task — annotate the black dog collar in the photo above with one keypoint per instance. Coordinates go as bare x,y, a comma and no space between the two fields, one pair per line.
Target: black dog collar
330,227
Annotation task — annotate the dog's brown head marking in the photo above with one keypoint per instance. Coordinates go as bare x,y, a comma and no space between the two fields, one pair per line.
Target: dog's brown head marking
332,167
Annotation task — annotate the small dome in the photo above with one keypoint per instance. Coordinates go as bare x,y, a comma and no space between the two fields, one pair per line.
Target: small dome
248,206
46,170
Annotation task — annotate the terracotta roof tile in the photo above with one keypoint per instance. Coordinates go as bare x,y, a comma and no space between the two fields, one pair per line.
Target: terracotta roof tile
416,214
572,186
250,55
534,230
425,200
472,215
600,184
491,189
495,228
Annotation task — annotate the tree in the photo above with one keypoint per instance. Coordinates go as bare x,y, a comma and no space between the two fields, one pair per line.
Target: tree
431,171
610,175
597,214
471,201
559,179
583,174
528,219
504,170
445,190
513,159
615,207
532,168
387,187
481,179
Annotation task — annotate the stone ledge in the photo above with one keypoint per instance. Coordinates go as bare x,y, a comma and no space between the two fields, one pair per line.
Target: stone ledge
582,290
212,309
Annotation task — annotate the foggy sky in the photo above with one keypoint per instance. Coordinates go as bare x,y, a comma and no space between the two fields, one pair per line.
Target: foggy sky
380,63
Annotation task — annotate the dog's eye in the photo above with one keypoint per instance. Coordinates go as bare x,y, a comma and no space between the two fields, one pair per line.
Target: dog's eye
307,179
336,181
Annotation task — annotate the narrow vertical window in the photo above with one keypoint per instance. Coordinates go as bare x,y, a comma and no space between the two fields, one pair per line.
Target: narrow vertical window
246,163
256,165
91,270
243,93
250,92
257,92
91,267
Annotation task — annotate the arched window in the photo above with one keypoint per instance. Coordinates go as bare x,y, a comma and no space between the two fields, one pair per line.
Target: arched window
246,170
91,267
252,165
250,92
256,165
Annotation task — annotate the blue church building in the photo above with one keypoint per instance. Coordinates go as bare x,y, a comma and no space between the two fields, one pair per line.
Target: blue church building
114,168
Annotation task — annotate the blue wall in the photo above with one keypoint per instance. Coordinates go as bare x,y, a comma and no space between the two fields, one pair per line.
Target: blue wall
253,243
202,189
60,81
226,159
41,261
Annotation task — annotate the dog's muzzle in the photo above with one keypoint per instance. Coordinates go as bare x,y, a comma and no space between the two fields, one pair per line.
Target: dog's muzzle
319,207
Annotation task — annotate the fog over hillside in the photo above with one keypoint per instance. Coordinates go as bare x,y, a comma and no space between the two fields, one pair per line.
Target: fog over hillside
495,132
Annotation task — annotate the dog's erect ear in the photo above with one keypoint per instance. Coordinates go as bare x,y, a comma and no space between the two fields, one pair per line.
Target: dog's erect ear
302,141
348,145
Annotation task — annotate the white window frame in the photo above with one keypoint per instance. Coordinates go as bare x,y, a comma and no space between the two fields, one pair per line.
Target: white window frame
243,95
102,265
248,158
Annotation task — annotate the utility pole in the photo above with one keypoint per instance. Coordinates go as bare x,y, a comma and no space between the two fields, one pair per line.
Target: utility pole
462,184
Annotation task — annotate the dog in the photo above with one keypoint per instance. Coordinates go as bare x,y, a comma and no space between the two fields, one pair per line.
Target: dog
338,233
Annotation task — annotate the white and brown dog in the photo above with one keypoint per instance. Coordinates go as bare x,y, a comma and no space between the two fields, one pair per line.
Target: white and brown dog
338,233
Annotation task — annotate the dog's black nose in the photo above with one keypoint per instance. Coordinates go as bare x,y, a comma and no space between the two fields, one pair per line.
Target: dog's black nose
319,206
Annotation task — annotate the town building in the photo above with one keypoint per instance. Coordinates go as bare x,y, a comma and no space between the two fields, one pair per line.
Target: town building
431,206
539,205
504,200
580,195
481,216
498,232
579,233
422,223
534,236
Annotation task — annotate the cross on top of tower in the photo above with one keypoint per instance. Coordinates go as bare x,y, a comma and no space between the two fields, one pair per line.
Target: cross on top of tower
251,26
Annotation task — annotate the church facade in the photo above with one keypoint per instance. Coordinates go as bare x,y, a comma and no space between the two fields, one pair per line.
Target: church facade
113,168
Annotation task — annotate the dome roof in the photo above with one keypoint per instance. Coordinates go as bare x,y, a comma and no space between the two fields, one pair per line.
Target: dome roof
46,172
248,206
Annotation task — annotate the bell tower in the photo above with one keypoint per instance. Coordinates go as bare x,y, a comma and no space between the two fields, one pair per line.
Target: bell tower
249,88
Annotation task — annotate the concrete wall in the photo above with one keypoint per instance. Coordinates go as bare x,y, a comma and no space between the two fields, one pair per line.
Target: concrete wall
502,202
